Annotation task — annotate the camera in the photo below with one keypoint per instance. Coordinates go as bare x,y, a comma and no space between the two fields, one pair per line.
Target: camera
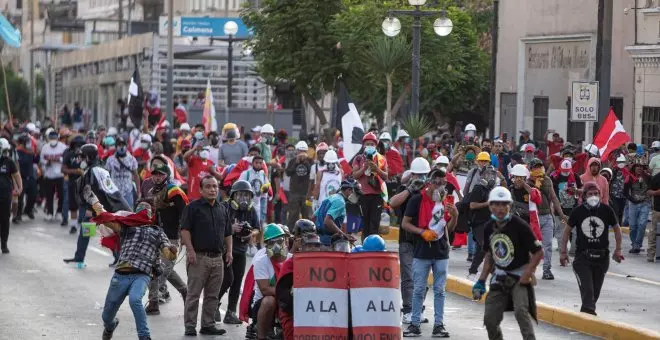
246,229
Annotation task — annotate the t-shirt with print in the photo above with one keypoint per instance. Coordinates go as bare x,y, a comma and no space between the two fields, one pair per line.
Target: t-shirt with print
617,184
510,245
197,169
434,250
263,269
7,169
121,171
654,184
51,159
72,162
256,179
567,200
592,226
299,173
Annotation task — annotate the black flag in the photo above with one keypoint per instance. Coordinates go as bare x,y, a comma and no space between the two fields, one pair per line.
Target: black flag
135,99
348,122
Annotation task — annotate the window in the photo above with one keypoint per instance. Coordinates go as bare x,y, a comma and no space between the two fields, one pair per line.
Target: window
616,103
574,130
541,105
650,124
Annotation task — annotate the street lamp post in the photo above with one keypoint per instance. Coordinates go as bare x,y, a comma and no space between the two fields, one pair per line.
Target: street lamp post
392,26
231,28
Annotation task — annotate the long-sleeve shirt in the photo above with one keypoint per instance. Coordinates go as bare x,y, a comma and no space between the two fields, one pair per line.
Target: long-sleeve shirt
140,247
51,160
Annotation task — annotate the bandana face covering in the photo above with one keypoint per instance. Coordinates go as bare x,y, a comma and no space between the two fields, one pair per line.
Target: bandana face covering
537,175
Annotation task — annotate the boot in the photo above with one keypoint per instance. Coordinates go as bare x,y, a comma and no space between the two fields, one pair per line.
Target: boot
231,319
152,308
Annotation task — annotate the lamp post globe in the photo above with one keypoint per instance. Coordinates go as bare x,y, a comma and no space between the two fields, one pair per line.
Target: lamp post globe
443,26
417,2
391,26
231,28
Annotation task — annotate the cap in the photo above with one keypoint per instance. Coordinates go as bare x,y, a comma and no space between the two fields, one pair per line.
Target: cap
256,128
525,132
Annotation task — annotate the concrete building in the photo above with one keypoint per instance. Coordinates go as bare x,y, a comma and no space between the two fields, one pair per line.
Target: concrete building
645,54
545,45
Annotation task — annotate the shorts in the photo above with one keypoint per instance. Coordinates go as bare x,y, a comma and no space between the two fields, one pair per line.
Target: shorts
254,310
73,202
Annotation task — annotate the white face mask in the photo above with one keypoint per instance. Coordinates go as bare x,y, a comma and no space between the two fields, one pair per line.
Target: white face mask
83,165
204,154
593,201
620,165
144,145
53,142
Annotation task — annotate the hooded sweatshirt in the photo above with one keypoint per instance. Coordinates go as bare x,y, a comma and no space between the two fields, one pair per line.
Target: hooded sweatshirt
599,179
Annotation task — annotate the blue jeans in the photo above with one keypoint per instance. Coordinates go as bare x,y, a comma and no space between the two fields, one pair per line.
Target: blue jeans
65,202
547,224
638,216
134,286
128,196
83,242
263,204
421,268
626,214
470,243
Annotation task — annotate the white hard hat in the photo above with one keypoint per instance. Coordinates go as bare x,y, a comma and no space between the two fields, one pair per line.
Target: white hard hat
519,170
184,127
256,128
656,144
301,146
267,128
592,149
402,133
621,159
48,131
31,127
420,165
608,170
4,144
470,127
385,136
331,157
566,165
500,194
112,131
145,138
441,160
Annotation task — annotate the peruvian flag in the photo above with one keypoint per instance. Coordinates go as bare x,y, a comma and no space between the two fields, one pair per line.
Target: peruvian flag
610,136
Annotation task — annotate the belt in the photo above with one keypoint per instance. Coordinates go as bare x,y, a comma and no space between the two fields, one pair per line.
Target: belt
209,253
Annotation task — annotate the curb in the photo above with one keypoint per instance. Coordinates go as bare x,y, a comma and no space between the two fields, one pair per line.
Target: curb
394,233
580,322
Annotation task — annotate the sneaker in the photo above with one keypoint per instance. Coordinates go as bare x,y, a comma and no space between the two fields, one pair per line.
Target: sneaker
73,230
107,333
71,260
412,331
30,215
547,275
472,277
152,308
634,251
470,257
64,224
251,332
5,250
439,331
49,218
58,217
16,220
217,316
164,298
190,331
231,319
407,318
212,330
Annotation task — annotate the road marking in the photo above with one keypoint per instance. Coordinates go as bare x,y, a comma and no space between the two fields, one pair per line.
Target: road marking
99,251
638,279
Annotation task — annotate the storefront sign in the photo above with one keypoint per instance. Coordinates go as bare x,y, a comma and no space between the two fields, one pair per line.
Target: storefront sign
202,27
584,102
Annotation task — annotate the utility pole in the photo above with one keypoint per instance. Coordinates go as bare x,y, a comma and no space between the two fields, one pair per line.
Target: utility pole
604,59
120,30
33,114
130,18
493,67
170,58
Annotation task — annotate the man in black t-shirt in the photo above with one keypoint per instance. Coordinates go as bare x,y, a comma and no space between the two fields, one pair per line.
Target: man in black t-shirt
479,214
654,192
592,220
71,169
11,184
424,217
512,253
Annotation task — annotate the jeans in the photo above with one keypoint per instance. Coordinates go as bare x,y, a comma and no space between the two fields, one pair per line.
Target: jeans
421,268
264,207
233,280
626,214
470,243
83,242
128,196
547,224
405,267
638,216
134,286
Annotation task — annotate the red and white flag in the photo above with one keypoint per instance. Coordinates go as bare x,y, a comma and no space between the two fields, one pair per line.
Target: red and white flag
610,136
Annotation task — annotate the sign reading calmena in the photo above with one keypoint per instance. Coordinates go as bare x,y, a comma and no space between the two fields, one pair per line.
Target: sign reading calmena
584,102
201,27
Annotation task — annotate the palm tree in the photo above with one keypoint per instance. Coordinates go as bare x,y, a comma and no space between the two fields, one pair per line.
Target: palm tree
384,55
417,126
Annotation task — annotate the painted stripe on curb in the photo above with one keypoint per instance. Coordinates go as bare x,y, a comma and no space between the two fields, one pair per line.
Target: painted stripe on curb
580,322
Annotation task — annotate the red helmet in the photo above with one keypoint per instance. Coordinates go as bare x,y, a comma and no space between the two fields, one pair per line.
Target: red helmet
186,144
370,136
322,147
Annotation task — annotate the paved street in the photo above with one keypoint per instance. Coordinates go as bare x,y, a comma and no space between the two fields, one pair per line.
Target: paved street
624,299
42,298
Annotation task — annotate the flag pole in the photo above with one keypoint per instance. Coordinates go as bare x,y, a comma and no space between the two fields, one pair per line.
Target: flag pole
4,78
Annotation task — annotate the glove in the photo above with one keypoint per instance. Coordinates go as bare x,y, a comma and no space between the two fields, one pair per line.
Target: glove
478,290
89,196
429,235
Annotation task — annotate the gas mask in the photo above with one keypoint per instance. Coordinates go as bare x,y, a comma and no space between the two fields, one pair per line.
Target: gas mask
418,183
331,167
277,248
243,200
439,194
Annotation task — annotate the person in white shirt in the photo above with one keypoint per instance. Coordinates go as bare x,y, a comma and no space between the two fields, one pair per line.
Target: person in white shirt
214,146
318,166
53,178
256,176
328,179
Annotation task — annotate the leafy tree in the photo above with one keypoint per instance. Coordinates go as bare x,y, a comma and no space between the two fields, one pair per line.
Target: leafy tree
293,42
417,126
19,95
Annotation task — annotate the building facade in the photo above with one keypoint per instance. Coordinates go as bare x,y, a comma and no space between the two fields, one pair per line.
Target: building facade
543,47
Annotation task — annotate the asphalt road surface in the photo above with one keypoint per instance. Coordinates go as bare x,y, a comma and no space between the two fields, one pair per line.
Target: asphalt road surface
43,298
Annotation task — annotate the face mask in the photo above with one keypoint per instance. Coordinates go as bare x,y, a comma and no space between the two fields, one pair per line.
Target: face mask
565,173
243,200
331,167
277,250
290,154
53,143
214,141
370,150
199,135
386,145
121,151
83,165
593,201
353,198
469,156
506,218
621,165
144,145
204,154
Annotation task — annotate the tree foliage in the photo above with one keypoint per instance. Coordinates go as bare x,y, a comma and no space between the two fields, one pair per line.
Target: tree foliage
19,94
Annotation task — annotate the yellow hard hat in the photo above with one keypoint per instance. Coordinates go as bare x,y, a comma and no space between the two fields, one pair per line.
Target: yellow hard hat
229,126
483,156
